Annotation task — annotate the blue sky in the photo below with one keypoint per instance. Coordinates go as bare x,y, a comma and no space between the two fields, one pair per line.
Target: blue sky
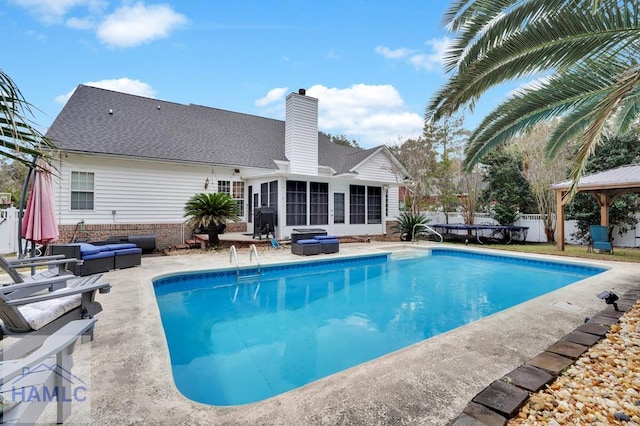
373,65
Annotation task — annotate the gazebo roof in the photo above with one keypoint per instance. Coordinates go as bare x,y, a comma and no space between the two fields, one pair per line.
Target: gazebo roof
624,177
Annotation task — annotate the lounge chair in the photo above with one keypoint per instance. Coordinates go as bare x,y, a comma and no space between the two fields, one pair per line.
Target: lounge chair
600,238
26,379
43,313
55,276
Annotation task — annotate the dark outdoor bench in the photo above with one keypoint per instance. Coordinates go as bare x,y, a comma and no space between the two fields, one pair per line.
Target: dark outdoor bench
306,247
98,258
146,242
316,245
306,233
328,243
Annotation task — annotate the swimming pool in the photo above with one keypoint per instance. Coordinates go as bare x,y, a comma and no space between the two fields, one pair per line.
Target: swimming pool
235,343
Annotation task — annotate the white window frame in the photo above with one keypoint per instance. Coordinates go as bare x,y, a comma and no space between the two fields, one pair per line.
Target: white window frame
84,187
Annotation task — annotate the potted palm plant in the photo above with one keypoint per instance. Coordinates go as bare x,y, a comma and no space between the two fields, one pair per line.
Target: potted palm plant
210,210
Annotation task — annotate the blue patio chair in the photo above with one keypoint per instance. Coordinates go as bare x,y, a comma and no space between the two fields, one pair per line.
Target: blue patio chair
600,238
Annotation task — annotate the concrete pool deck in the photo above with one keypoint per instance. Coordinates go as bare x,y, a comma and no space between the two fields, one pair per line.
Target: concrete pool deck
128,376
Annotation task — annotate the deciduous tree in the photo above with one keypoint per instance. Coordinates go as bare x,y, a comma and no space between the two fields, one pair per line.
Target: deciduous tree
343,140
418,157
448,137
12,177
507,190
541,171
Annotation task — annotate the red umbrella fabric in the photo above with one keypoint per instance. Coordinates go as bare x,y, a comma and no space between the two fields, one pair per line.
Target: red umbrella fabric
39,223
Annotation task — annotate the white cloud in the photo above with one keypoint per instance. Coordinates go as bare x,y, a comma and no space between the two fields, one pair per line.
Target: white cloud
38,36
273,96
53,11
131,26
80,23
125,85
371,114
428,61
393,53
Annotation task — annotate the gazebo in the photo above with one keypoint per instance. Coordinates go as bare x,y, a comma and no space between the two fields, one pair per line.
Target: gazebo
605,186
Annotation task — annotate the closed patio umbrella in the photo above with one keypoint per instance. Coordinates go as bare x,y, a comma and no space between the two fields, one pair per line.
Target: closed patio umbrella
39,223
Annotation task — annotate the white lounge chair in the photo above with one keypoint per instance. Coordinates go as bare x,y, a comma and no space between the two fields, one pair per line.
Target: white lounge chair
27,379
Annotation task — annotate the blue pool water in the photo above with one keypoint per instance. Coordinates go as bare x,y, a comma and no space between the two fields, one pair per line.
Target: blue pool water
235,342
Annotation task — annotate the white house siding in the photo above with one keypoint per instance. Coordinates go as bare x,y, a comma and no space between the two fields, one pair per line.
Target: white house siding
154,193
137,191
301,134
393,203
379,168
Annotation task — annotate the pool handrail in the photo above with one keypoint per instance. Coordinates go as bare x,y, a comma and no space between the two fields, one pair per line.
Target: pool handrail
233,255
252,250
428,228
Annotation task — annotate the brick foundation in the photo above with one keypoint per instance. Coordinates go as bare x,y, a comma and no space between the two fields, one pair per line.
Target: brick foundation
167,234
389,227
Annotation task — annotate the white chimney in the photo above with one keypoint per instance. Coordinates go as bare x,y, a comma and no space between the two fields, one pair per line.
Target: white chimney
301,133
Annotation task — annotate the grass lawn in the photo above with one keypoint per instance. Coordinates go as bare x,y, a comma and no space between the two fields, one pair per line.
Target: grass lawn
619,253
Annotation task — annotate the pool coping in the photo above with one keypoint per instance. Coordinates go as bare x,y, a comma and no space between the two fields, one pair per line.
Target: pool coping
128,369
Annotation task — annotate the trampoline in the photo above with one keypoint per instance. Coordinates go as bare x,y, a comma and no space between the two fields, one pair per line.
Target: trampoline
483,234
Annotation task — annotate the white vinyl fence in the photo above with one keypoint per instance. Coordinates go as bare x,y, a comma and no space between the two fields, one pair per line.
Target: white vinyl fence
536,230
8,230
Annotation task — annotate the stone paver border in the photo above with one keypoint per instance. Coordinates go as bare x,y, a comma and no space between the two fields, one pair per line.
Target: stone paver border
501,400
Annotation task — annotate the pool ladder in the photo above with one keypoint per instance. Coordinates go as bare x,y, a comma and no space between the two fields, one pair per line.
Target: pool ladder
233,256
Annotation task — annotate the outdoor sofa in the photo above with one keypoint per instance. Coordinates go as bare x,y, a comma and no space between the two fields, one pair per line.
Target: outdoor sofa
100,257
316,245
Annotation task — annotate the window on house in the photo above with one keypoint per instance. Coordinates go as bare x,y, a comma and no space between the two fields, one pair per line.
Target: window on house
374,204
318,203
224,186
338,207
273,194
238,195
264,194
296,203
250,204
357,206
82,190
386,203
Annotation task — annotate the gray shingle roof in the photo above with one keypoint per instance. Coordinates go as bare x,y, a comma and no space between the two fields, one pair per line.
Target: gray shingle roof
154,129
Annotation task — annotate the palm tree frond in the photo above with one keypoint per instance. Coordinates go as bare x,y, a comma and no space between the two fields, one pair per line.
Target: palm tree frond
19,139
533,36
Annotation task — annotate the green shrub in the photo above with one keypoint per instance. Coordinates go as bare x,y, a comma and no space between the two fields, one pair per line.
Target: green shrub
406,222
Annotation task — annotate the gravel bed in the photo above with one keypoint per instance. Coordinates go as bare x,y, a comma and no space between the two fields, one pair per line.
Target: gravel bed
601,388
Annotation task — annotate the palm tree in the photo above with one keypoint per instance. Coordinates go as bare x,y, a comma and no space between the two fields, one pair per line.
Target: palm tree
210,211
19,140
584,53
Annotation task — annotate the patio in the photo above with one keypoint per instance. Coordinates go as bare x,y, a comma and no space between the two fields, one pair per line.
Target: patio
127,369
